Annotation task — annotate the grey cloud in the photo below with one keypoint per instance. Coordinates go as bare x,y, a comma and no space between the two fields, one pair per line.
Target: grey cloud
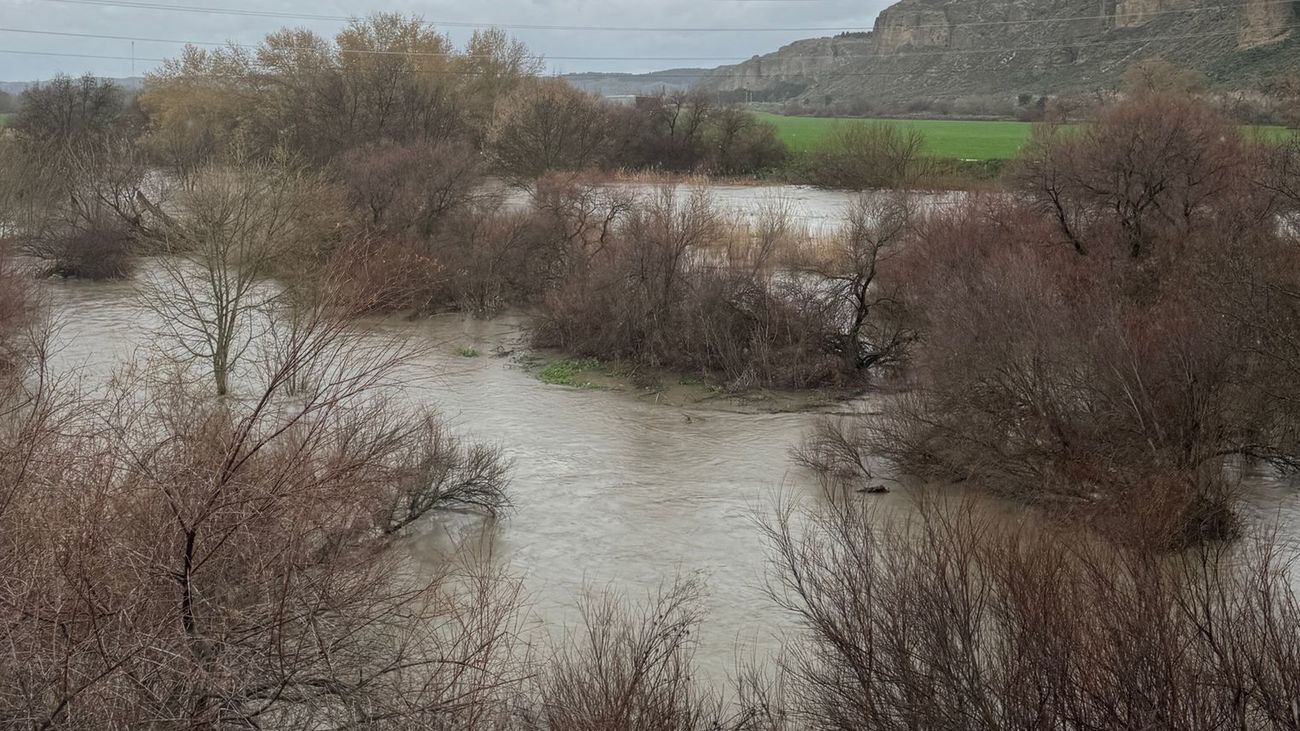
707,48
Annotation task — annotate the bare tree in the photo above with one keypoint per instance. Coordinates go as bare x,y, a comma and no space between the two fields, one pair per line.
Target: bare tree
548,125
210,288
877,225
447,474
956,619
1147,168
629,668
75,191
740,143
866,155
222,563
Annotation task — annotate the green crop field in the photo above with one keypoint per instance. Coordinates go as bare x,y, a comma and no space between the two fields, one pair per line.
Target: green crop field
948,138
943,137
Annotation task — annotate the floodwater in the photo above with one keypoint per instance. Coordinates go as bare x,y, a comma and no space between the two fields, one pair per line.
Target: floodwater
612,489
817,209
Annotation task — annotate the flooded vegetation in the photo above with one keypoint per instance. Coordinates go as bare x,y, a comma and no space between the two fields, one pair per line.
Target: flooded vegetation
419,420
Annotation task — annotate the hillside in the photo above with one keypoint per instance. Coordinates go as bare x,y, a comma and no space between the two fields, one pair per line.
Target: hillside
937,49
620,84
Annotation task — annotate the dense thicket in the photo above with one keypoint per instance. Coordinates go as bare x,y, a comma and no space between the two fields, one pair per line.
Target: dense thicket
73,186
671,281
170,558
393,79
958,619
1117,329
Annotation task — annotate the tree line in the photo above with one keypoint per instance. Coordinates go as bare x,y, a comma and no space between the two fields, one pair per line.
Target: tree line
208,539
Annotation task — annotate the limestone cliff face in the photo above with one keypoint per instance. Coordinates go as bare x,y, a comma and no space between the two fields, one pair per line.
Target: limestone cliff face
911,25
793,68
799,60
950,48
1268,22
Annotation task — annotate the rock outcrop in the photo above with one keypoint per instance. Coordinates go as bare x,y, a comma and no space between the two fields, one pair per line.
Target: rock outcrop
952,48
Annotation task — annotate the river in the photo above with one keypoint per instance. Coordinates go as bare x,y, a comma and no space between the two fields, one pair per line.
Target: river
611,488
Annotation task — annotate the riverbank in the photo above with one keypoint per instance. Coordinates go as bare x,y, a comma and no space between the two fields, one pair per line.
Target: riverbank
944,175
662,386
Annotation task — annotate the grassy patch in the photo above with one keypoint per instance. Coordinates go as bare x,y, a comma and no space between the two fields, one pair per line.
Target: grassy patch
959,139
4,118
467,352
948,138
567,372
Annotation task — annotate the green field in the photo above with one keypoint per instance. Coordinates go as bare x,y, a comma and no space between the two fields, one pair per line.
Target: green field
948,138
943,137
4,119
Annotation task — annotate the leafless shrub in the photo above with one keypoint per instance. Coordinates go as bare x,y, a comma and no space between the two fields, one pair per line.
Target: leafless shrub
838,453
447,474
222,563
412,188
672,282
392,273
493,256
1114,335
575,221
549,125
739,143
1145,175
103,249
868,155
956,619
870,332
629,669
82,210
17,309
434,236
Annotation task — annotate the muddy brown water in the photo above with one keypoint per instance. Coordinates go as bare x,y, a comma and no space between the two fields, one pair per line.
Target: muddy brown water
611,488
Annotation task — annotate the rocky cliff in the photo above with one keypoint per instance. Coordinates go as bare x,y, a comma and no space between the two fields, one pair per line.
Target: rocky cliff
933,49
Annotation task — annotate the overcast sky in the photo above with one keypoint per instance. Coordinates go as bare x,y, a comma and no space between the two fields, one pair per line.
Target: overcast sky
667,46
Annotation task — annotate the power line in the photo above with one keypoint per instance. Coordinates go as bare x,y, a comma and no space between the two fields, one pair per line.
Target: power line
358,51
450,24
144,5
77,55
882,57
741,75
450,72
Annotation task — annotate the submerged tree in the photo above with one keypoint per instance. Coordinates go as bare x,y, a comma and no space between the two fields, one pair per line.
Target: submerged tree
225,564
211,292
75,191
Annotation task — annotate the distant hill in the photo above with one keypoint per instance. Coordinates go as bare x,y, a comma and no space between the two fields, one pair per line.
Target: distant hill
617,84
929,49
129,83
